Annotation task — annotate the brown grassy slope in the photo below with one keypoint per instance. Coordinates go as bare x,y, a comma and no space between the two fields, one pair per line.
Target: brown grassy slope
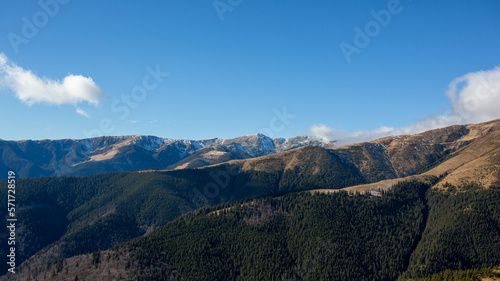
475,158
406,155
290,159
477,162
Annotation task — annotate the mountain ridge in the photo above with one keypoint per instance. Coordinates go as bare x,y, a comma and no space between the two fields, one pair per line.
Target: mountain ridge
78,157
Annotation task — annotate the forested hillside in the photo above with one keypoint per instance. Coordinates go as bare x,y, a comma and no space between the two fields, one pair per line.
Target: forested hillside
299,236
85,214
463,231
487,274
292,237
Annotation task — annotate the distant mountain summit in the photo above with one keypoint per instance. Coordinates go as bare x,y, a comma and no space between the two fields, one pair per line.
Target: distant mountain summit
69,157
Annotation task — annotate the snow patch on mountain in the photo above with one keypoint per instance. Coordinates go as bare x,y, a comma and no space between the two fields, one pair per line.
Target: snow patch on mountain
149,143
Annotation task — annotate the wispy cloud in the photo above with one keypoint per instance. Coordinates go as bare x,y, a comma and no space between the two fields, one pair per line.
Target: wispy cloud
474,97
31,89
82,112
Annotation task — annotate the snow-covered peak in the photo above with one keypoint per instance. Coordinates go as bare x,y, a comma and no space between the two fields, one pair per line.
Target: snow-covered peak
148,142
286,144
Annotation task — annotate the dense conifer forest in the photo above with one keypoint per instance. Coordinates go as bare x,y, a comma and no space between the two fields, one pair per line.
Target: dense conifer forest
339,236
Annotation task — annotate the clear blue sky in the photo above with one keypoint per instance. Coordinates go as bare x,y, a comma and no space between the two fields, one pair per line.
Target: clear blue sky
227,76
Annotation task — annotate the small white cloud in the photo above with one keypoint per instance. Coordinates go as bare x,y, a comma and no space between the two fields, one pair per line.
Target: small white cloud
474,97
134,121
323,131
31,89
82,112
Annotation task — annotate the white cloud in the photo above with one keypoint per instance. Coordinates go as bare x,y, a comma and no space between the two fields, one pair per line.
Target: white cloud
82,112
322,130
31,89
474,97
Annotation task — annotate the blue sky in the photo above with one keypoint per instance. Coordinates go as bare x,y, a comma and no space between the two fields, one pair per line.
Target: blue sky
235,66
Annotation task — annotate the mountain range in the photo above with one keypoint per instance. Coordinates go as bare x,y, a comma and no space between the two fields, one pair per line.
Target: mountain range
68,157
413,205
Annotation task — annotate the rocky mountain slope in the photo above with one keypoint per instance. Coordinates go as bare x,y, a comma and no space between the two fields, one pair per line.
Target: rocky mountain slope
70,157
